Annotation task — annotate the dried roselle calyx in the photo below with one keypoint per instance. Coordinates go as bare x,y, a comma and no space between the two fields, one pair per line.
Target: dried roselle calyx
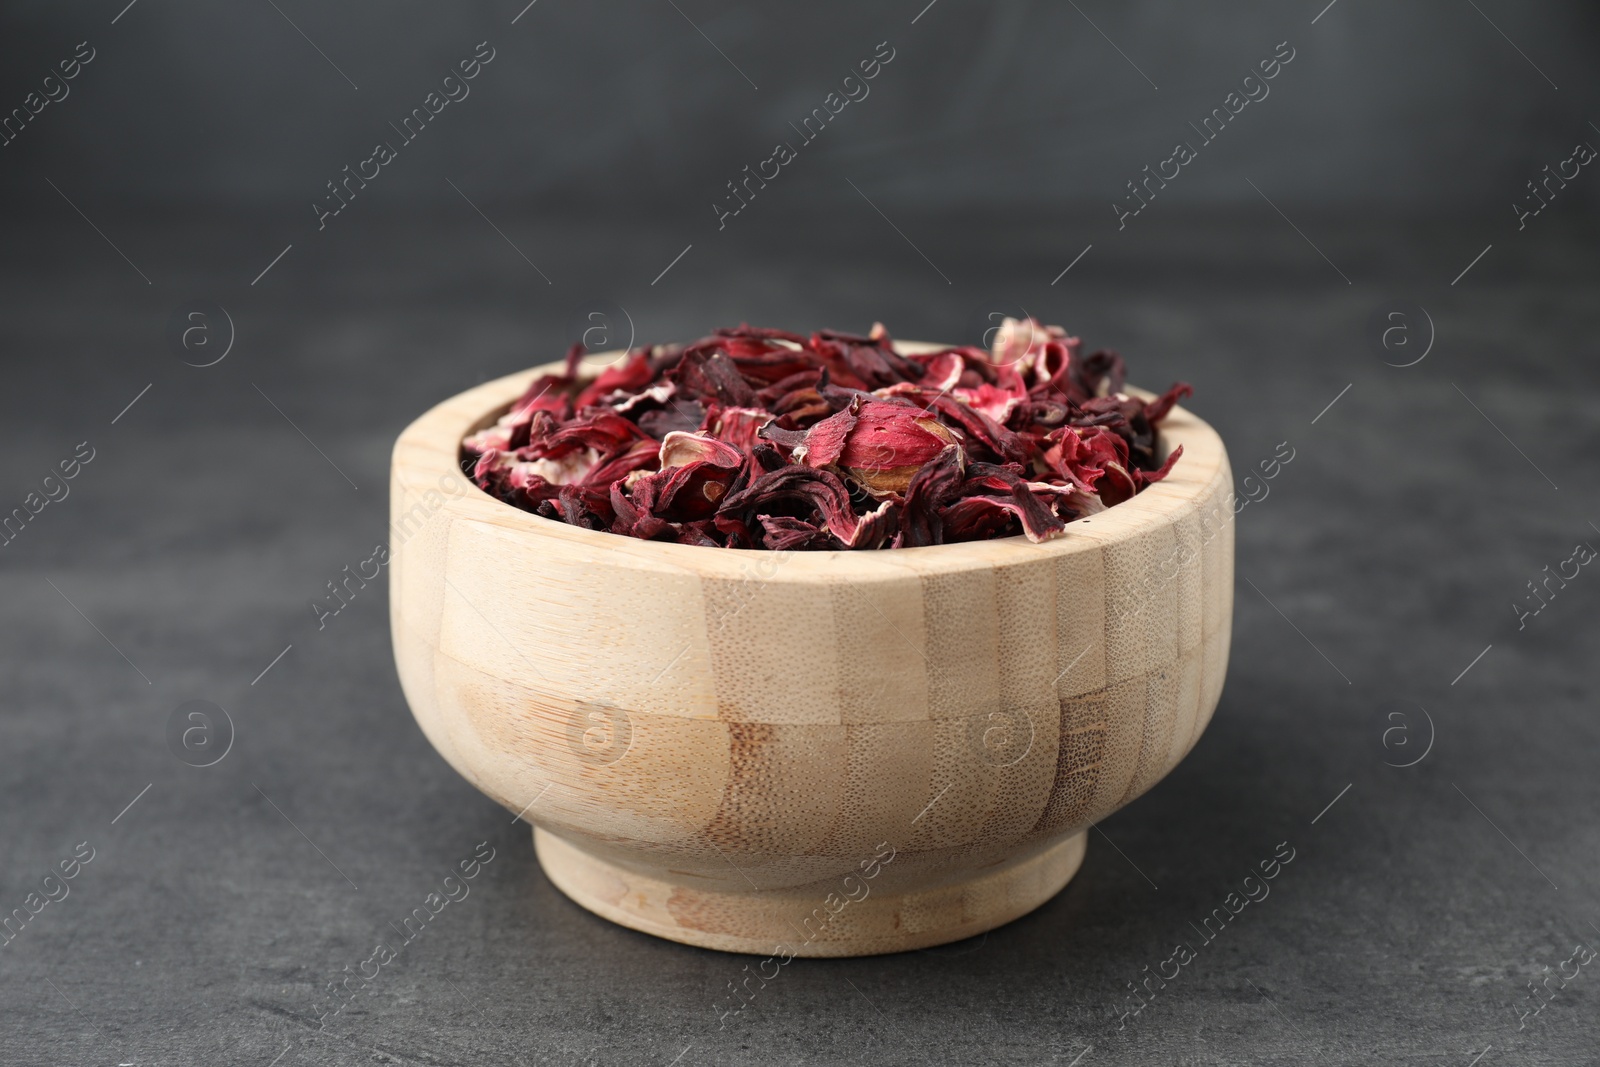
694,474
880,443
763,438
932,490
1101,373
739,427
1046,412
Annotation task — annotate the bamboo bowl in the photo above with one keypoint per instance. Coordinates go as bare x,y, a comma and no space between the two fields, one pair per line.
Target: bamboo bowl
809,753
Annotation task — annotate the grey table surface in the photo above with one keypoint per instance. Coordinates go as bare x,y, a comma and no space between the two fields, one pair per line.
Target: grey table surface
1375,590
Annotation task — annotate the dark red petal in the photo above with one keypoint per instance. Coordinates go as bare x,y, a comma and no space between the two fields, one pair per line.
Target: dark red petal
1001,442
676,415
787,439
713,376
641,455
1117,485
1157,409
629,375
977,518
1004,487
815,495
877,528
932,488
739,427
824,443
1145,478
1100,373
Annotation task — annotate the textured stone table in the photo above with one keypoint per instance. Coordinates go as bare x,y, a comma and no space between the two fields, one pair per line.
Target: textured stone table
1376,576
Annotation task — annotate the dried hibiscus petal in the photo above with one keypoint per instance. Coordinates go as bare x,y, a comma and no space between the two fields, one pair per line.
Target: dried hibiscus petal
881,443
1002,487
739,427
694,474
1158,408
932,489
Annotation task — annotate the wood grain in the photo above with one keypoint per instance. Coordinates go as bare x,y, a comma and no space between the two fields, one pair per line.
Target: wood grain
712,739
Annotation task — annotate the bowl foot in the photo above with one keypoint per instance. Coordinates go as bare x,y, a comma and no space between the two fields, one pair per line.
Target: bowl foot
797,922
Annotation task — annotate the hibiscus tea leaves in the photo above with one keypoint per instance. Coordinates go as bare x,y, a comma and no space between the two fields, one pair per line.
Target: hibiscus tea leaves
766,439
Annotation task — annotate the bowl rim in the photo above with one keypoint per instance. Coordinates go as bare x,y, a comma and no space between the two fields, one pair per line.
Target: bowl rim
426,459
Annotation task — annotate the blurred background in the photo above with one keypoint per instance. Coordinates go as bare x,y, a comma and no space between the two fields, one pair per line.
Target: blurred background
619,108
1418,159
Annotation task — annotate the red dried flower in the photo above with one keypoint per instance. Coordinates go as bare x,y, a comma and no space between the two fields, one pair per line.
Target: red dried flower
882,443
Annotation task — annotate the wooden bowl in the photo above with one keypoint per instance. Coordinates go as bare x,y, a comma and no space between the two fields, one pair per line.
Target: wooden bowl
807,753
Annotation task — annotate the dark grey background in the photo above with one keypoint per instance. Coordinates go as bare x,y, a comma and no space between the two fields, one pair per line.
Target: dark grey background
1385,559
618,106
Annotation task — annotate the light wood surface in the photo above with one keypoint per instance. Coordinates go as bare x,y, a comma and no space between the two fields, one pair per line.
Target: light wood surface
712,740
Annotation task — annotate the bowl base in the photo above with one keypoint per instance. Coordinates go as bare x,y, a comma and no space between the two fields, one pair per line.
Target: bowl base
796,922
